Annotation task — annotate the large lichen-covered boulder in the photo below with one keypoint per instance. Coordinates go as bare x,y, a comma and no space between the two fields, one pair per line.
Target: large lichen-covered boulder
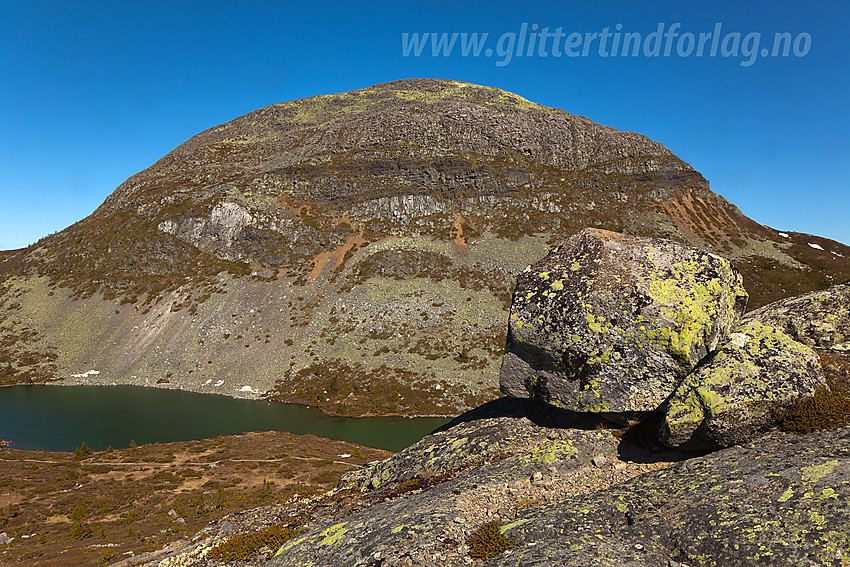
609,322
756,374
818,319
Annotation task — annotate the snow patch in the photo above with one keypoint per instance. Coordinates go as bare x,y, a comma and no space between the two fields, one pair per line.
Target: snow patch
784,235
86,374
816,246
344,456
208,382
219,383
247,389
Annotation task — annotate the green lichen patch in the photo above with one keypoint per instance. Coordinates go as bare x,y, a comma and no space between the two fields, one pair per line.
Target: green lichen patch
333,534
549,453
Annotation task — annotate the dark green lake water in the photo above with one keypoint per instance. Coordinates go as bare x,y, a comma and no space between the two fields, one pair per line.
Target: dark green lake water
58,418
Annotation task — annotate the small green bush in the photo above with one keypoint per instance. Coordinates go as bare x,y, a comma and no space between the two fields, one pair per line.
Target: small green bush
829,408
106,556
80,530
82,452
488,541
78,513
246,546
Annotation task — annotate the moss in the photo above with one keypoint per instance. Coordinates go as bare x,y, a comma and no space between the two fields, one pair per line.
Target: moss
489,541
829,408
245,547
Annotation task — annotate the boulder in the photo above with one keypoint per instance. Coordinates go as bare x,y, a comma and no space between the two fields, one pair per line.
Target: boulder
739,392
818,319
609,322
454,449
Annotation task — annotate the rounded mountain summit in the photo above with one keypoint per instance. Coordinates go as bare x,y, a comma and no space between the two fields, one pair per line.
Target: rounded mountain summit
357,251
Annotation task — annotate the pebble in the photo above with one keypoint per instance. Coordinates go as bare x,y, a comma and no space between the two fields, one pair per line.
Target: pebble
599,461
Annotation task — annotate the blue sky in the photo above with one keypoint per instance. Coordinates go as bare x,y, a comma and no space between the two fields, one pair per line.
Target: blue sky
93,92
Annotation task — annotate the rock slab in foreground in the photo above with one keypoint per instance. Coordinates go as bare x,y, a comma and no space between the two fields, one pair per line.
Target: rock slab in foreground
759,372
609,322
818,319
521,464
781,502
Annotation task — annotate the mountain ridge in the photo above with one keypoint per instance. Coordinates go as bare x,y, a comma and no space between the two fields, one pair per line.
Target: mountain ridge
357,244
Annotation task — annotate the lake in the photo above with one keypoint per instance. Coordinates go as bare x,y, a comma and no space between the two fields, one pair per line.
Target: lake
60,418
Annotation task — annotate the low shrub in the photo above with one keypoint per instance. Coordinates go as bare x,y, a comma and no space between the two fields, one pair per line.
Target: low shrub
80,530
488,541
829,408
247,546
82,452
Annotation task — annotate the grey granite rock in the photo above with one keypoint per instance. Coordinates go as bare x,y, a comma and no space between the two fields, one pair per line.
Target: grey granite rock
609,322
818,319
759,372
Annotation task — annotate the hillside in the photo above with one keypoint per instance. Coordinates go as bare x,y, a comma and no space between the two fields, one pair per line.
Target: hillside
356,251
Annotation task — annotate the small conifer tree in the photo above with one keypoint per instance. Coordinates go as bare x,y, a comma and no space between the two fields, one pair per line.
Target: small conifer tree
82,452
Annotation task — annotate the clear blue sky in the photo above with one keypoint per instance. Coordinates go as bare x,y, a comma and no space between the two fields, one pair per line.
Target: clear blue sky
93,92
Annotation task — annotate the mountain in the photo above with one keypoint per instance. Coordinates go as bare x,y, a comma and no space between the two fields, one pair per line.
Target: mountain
356,251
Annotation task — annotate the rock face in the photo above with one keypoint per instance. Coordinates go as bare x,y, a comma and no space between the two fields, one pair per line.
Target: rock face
818,319
491,470
756,374
782,502
566,496
433,518
609,322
